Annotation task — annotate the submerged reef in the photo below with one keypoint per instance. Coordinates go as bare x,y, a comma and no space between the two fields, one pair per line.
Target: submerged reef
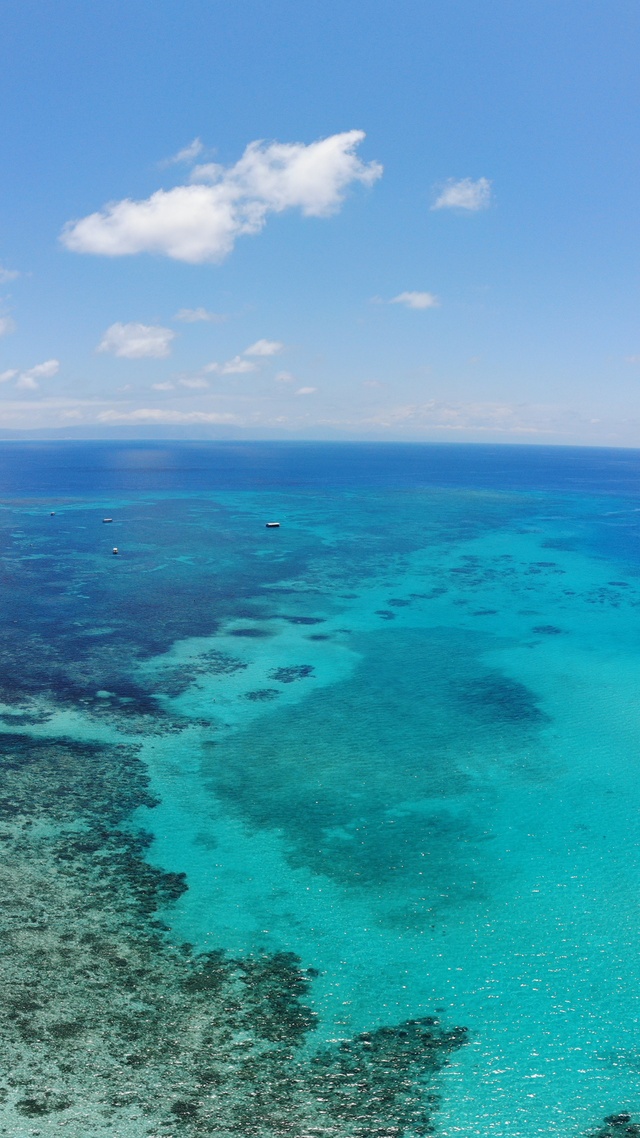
617,1126
107,1027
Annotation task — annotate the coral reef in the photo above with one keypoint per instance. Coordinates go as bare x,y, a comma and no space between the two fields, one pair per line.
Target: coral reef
107,1027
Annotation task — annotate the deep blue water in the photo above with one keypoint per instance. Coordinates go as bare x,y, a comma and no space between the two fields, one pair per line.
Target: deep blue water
397,736
85,467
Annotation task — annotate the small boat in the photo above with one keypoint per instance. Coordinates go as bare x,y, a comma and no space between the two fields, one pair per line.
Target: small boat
273,525
107,519
115,549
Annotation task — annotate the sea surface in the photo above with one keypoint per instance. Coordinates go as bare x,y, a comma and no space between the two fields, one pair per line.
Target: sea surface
396,738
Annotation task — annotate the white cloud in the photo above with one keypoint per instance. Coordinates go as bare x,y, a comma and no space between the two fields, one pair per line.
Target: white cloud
194,315
29,380
5,376
482,418
162,387
235,366
201,222
160,415
264,348
194,383
416,300
7,275
285,377
137,341
45,370
305,391
465,194
187,154
7,325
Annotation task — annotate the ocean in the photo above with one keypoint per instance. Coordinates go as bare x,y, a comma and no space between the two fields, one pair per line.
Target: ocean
325,829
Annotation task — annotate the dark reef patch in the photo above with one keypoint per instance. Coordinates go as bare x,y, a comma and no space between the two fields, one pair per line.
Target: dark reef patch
387,1069
617,1126
547,630
173,680
61,779
497,697
320,773
304,619
261,695
252,633
288,675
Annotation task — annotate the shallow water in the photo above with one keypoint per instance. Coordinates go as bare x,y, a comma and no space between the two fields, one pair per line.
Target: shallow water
396,737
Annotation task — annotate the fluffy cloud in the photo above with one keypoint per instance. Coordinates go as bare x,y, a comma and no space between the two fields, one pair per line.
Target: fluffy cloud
416,300
160,415
305,391
201,222
264,348
465,194
30,380
195,315
137,341
7,325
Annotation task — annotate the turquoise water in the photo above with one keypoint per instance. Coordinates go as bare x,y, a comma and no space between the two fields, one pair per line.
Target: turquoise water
398,736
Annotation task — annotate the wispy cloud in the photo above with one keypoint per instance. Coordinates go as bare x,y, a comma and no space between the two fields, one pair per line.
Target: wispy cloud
29,380
264,348
187,154
162,415
236,366
305,391
47,412
285,377
7,325
162,387
202,221
465,194
195,384
195,315
416,300
137,341
479,418
7,275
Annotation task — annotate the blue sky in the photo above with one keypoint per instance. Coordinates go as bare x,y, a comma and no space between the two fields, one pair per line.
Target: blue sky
398,220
